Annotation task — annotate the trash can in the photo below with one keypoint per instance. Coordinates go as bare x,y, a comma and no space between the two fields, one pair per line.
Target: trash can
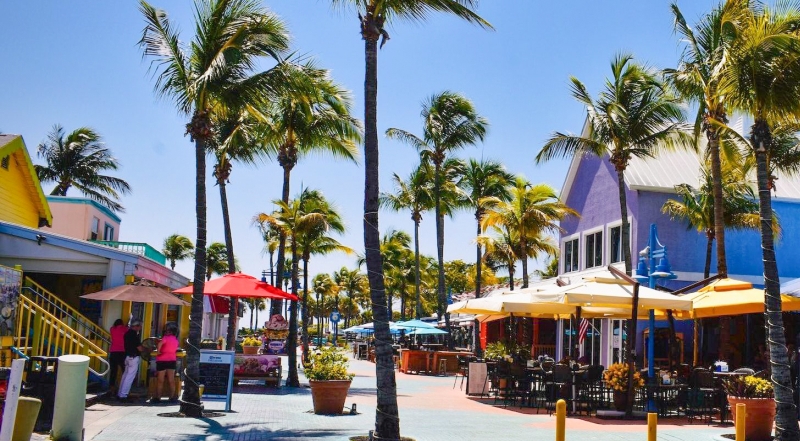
40,382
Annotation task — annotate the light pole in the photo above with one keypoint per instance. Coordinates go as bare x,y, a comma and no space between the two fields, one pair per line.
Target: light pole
647,270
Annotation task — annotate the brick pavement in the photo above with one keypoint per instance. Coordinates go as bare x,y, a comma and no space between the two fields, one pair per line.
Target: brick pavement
430,410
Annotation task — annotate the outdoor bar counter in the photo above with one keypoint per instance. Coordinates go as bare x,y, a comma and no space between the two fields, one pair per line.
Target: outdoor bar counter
414,361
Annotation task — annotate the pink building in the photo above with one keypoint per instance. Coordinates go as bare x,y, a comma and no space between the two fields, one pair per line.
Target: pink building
82,218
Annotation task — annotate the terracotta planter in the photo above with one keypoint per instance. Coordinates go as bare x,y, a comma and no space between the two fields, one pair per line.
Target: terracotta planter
250,350
620,401
759,417
329,396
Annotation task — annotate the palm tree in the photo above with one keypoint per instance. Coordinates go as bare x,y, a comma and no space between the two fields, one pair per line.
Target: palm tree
373,15
395,250
230,36
323,286
696,79
354,283
416,195
632,117
177,247
533,211
217,260
271,238
78,159
298,125
314,240
697,205
762,80
502,250
450,123
550,269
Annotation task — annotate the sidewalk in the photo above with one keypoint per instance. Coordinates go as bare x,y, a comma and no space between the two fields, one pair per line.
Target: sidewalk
430,410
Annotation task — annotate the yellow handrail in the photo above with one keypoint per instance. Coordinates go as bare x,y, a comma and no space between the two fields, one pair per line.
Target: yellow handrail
62,310
40,333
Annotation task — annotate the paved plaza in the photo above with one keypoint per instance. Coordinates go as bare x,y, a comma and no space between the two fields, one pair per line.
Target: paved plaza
430,410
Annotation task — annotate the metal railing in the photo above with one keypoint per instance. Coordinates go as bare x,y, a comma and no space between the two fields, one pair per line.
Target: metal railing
66,313
548,350
139,248
40,333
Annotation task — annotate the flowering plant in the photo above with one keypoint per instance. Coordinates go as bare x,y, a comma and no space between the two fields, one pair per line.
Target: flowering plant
251,341
748,387
327,364
616,377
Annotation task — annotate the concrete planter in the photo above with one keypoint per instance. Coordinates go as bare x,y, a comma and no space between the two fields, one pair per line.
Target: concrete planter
759,417
329,396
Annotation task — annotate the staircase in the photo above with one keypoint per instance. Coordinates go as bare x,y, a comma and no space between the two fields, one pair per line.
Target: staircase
48,327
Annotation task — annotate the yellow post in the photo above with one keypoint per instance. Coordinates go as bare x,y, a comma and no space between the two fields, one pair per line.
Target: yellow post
740,412
147,323
652,426
126,312
561,420
184,319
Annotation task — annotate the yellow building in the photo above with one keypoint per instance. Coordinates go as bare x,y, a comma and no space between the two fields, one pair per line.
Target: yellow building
21,198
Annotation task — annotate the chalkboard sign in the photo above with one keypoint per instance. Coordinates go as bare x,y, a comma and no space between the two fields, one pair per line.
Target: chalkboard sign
216,375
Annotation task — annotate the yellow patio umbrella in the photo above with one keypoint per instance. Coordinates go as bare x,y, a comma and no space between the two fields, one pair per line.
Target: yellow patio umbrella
731,297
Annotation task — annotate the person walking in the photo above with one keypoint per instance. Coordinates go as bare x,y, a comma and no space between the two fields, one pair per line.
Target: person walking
116,352
166,361
133,349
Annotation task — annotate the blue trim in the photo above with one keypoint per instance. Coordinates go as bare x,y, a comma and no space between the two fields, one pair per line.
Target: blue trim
68,243
84,201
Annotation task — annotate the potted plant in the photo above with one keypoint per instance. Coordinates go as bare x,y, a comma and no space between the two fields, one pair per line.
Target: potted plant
250,346
327,374
757,395
616,378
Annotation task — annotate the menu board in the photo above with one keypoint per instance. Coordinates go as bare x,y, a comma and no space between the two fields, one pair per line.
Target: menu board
216,375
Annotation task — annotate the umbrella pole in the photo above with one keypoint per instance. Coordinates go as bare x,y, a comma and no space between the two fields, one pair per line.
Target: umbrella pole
631,344
696,351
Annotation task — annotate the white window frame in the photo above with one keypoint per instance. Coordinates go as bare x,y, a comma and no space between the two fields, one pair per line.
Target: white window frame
106,227
564,241
584,236
607,249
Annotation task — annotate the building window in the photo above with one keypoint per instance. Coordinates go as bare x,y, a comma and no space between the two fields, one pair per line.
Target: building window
615,244
4,162
571,255
108,232
95,229
594,249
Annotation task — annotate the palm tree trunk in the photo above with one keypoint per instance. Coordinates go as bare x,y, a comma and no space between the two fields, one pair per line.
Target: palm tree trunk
271,271
719,213
510,278
226,224
387,419
476,328
786,426
524,259
291,352
417,301
190,405
441,288
709,248
626,226
277,305
304,317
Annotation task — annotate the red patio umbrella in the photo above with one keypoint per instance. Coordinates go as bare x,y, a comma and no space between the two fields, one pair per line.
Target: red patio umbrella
240,285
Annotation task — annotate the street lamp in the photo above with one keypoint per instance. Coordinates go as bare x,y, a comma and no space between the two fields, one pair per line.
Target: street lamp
651,273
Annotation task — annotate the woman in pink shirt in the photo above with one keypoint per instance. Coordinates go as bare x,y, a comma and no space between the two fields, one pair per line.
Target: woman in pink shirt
165,363
116,352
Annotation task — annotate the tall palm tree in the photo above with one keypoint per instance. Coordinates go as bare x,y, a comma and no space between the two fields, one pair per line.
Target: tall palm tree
314,240
697,205
317,122
177,247
396,253
78,159
354,283
762,80
323,286
450,123
697,80
271,238
633,117
230,36
502,250
373,15
416,195
533,212
217,260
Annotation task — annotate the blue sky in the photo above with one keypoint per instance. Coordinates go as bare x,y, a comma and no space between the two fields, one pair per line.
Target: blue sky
78,64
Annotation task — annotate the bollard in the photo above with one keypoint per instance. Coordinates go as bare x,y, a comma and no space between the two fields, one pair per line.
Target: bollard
652,426
740,413
561,420
70,397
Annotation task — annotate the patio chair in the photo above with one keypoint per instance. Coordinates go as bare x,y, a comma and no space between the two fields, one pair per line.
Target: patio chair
590,391
701,396
463,369
503,382
558,386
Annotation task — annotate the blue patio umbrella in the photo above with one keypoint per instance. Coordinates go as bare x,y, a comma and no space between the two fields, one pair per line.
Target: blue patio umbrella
415,324
427,331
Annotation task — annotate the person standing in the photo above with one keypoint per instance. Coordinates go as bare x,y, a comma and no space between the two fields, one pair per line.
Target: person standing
133,350
116,352
166,361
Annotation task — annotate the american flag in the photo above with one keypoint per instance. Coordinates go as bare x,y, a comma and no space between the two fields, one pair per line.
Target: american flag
582,330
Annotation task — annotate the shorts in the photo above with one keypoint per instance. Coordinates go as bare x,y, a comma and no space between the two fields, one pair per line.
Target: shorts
165,365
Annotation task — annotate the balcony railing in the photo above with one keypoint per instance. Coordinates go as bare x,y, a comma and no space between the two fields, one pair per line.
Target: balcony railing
139,248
